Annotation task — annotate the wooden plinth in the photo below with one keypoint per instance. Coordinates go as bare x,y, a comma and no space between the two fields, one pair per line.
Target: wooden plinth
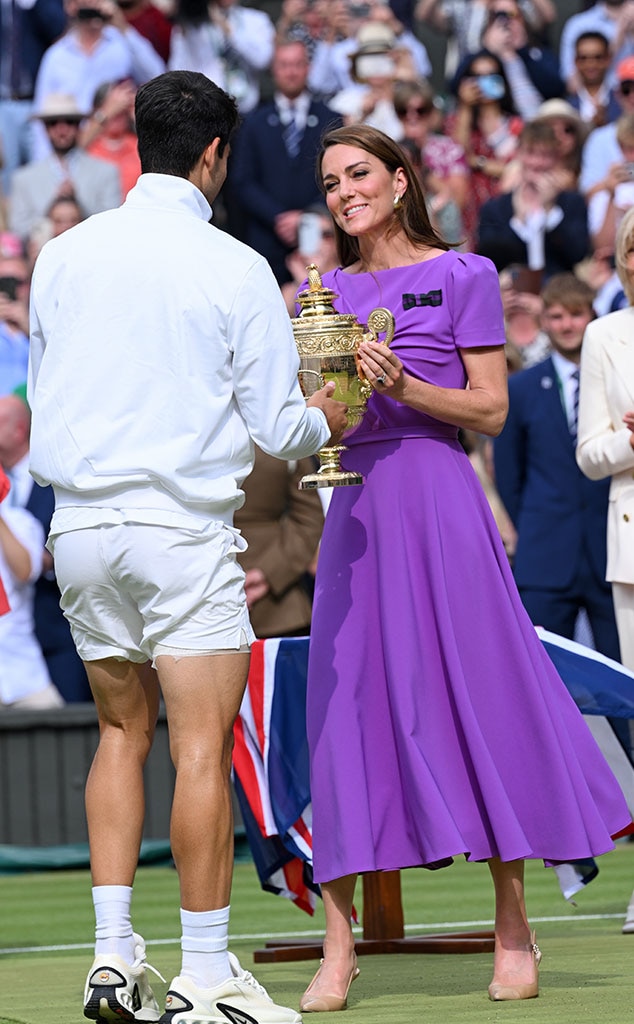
383,929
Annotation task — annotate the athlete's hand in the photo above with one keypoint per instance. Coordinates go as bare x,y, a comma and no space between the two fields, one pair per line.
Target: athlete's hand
334,410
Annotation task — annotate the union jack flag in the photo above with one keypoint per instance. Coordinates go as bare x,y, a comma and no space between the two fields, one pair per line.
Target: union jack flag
271,766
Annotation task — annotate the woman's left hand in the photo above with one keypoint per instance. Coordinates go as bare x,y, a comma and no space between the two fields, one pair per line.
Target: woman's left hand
382,368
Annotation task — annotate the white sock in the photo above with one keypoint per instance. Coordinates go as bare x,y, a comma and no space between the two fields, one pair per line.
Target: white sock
204,944
113,932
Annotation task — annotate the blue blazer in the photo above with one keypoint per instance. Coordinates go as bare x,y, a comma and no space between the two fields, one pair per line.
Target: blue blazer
556,510
266,181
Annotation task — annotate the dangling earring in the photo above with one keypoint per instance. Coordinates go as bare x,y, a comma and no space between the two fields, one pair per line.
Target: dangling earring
398,201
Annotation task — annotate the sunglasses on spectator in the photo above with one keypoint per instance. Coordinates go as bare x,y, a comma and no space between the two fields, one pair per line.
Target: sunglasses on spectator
626,88
503,16
418,111
51,121
582,58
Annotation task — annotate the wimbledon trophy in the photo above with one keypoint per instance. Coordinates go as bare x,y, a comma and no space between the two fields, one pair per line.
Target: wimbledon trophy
327,342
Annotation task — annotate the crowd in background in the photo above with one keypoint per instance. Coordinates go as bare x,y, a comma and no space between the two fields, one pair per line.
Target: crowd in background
526,154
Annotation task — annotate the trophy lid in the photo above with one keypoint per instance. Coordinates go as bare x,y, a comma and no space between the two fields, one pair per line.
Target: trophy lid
316,300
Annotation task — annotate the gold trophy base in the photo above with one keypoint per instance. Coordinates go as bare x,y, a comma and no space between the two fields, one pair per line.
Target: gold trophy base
330,472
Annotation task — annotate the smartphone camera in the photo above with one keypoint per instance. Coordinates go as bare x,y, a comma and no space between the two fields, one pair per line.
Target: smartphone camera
629,170
309,234
9,287
491,86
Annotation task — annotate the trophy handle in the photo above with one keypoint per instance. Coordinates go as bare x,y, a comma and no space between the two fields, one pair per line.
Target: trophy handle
380,320
320,380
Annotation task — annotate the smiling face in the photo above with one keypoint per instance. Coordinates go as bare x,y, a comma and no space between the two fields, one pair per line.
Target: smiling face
360,190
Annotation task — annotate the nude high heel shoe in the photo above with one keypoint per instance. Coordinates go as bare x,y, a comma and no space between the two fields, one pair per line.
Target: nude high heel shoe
520,991
324,1003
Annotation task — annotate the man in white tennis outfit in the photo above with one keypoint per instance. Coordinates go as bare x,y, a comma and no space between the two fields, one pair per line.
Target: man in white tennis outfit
161,350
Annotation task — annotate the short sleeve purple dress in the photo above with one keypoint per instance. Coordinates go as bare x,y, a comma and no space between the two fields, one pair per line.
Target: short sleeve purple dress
437,724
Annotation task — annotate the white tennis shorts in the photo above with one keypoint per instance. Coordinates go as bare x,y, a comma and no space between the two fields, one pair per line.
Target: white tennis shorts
134,590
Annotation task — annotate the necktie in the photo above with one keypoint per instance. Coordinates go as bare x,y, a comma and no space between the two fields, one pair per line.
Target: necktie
292,134
575,405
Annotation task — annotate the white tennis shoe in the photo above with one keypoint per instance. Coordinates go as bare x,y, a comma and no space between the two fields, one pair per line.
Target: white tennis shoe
239,1000
118,991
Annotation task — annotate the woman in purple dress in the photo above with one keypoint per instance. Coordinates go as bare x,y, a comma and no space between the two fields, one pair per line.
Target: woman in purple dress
437,724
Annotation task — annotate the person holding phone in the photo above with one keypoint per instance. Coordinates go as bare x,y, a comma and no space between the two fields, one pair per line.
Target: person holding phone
530,65
486,125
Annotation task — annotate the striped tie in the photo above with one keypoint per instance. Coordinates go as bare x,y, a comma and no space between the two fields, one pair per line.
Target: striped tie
575,405
292,134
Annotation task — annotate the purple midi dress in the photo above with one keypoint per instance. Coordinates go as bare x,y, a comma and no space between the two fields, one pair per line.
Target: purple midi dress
437,724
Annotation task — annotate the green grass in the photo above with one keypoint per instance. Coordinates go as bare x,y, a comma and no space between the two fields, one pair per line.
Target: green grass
586,972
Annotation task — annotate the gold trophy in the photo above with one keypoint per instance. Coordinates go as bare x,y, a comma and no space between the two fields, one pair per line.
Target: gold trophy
327,342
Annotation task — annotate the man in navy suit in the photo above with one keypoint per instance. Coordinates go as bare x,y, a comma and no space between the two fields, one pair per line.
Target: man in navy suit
272,171
559,514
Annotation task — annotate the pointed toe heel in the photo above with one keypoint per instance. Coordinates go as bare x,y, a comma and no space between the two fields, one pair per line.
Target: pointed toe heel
326,1002
498,992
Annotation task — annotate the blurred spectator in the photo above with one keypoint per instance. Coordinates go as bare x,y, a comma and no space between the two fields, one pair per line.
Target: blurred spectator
149,21
522,316
592,94
531,69
607,206
272,170
99,46
35,504
376,64
63,213
612,18
229,43
282,526
24,677
303,21
539,225
27,29
463,22
570,133
315,244
68,171
599,272
109,131
602,151
440,161
486,126
14,314
560,516
332,70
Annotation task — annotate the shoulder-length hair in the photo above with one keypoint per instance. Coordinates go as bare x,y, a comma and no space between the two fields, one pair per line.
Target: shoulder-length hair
410,216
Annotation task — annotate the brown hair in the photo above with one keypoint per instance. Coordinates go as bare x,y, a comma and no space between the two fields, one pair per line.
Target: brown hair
568,291
412,214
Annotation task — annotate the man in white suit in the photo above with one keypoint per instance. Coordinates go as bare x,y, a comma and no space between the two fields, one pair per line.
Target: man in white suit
67,171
